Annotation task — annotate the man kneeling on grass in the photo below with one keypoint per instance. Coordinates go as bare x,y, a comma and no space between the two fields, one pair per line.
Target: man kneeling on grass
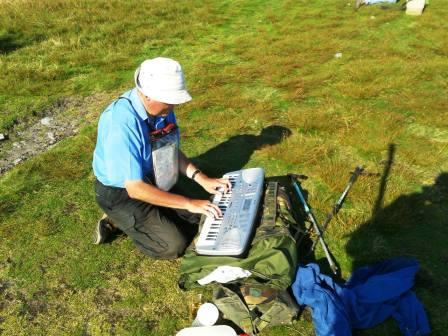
137,161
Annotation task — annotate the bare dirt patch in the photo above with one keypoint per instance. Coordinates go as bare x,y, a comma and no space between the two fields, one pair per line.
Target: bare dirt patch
61,120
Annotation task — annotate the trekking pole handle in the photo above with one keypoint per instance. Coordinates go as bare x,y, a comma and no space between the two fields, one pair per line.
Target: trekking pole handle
338,204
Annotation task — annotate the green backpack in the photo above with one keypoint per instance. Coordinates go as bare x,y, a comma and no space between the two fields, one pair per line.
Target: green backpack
262,298
272,256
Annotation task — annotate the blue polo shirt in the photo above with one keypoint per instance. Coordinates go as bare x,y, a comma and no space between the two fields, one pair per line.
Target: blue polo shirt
123,147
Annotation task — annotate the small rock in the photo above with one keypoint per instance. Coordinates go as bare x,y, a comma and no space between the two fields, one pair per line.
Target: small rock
3,136
16,145
51,137
46,121
17,161
338,55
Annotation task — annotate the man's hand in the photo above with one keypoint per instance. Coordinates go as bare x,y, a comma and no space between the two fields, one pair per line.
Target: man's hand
140,190
204,207
215,186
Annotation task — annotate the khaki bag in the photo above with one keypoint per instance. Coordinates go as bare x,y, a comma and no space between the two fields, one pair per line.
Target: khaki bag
276,307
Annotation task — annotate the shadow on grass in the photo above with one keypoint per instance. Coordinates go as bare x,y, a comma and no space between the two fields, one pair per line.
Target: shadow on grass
12,40
232,155
414,225
408,226
8,44
235,153
382,190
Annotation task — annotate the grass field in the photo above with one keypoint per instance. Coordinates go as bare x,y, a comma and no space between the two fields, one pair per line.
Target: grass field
249,65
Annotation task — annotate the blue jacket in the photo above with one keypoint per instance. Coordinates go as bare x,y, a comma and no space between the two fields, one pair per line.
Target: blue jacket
369,297
123,149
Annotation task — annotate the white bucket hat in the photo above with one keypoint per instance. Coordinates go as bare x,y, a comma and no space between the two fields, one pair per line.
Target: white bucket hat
162,79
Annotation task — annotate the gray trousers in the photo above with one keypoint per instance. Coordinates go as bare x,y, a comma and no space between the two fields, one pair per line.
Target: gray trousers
159,232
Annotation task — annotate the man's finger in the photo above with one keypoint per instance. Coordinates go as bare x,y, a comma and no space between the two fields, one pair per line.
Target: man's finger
219,210
210,214
225,185
207,211
217,191
215,210
227,182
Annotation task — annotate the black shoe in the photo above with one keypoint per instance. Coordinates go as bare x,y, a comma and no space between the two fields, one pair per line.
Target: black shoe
104,229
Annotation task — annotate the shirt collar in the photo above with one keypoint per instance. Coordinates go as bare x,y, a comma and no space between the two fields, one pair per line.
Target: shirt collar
138,105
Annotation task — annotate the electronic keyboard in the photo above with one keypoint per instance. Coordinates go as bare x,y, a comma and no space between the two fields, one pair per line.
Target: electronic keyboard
229,235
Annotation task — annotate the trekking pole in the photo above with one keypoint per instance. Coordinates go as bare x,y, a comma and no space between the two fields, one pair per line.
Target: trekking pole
314,223
338,204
